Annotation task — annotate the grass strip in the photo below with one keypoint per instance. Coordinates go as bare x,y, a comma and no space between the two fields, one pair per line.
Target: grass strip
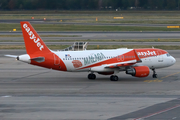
123,40
95,47
43,35
60,27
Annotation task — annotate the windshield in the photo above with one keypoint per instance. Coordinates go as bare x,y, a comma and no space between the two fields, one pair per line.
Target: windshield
168,55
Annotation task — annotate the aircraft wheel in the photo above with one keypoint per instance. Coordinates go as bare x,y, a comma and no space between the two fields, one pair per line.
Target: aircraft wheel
92,76
114,78
154,75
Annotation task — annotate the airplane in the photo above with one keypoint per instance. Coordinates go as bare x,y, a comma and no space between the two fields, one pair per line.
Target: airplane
135,62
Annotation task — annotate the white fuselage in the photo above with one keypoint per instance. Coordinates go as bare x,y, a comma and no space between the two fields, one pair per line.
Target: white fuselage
90,57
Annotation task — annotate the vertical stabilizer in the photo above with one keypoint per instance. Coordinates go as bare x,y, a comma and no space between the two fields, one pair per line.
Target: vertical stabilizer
33,42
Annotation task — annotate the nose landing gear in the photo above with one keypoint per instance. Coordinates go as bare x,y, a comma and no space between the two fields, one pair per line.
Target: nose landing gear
154,73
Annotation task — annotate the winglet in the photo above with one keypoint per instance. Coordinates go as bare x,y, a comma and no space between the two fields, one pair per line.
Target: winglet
137,57
33,42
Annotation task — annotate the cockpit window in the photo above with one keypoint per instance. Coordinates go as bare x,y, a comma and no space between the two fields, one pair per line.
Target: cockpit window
168,55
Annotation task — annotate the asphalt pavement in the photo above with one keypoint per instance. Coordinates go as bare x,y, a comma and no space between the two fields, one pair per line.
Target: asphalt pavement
33,93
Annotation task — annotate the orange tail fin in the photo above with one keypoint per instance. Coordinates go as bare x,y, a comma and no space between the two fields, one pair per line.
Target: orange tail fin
33,42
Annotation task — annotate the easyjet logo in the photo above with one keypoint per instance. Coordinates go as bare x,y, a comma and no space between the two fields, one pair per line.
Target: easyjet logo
147,53
33,37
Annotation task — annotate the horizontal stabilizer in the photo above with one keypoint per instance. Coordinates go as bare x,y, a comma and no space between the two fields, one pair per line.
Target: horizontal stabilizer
13,56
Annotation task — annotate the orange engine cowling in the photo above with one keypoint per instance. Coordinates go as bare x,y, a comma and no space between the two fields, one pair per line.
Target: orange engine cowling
139,71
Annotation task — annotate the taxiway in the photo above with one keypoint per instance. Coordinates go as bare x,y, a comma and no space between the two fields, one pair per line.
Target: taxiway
97,35
33,93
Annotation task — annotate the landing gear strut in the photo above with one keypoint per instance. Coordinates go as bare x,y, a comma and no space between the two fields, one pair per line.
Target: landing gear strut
154,73
114,78
91,76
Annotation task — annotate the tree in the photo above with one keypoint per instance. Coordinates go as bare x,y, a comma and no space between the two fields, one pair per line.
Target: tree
128,3
4,4
11,4
171,4
88,4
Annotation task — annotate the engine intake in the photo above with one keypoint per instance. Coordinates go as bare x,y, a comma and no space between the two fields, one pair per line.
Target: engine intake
139,71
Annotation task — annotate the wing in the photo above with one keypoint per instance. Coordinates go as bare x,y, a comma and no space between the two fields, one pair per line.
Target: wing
125,63
121,64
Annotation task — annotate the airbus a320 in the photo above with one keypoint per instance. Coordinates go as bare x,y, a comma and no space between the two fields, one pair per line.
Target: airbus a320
135,62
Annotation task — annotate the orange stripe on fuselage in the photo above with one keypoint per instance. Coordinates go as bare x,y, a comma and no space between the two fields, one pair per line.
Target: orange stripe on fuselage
129,56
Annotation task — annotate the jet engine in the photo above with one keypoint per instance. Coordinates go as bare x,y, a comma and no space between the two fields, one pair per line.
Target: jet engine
139,71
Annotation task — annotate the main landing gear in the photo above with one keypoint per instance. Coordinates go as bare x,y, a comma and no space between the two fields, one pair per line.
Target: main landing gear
91,76
154,73
114,78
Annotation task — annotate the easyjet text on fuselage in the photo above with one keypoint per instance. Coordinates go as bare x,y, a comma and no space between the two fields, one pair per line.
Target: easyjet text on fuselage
153,53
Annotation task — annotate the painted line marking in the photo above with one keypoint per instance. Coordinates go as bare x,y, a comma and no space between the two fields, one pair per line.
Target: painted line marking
170,75
6,96
159,80
150,81
153,114
174,118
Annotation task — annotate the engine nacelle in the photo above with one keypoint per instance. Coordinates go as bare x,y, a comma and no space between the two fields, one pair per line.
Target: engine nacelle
139,71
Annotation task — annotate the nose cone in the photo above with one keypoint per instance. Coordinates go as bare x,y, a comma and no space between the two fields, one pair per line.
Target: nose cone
173,60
